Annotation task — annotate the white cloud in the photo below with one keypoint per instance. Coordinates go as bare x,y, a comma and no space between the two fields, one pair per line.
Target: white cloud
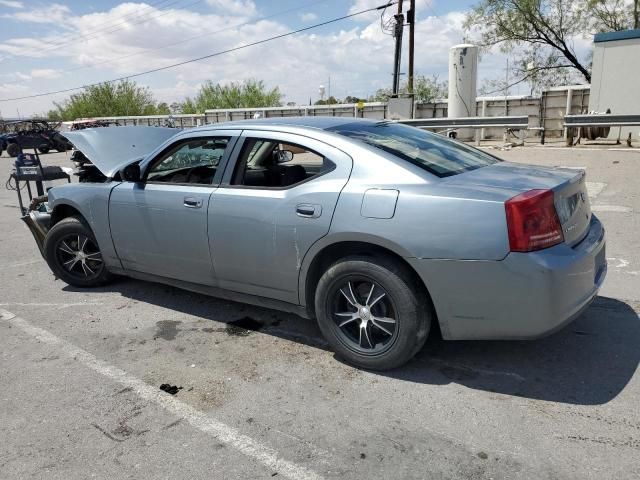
12,88
245,8
11,4
308,17
54,13
360,5
47,73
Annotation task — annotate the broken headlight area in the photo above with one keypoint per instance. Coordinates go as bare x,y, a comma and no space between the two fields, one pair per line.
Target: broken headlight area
38,219
85,170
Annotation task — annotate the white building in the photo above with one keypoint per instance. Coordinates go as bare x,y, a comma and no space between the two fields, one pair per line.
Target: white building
615,78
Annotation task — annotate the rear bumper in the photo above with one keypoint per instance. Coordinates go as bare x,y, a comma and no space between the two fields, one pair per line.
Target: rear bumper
524,296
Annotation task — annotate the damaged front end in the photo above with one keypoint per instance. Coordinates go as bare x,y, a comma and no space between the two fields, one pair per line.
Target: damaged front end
38,219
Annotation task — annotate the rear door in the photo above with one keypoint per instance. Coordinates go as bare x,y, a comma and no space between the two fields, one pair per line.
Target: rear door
277,198
159,225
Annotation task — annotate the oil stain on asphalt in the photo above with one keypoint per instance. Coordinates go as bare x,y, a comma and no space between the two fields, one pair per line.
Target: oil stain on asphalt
167,329
242,327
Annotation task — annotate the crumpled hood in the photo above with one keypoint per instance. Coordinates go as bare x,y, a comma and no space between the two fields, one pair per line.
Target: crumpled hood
110,148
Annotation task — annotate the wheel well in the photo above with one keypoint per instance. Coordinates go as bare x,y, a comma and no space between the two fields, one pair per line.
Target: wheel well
63,211
330,254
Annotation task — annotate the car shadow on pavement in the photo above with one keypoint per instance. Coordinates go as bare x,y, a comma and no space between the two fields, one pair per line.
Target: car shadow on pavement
589,362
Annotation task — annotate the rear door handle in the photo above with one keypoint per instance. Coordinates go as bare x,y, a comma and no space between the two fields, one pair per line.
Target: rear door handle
192,202
308,210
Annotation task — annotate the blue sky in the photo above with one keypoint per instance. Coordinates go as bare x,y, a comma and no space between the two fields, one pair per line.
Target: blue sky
46,46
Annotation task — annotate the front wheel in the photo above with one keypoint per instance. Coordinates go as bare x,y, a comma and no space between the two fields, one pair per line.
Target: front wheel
43,149
73,254
371,312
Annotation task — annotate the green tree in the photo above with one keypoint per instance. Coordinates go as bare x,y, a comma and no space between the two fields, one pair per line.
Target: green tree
429,89
614,15
329,101
540,33
351,99
162,109
107,99
247,94
425,89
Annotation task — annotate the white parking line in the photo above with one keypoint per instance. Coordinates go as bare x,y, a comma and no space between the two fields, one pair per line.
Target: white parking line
61,305
595,188
611,208
24,264
220,431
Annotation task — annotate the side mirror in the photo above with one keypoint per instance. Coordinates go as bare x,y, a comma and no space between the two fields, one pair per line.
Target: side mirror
131,173
283,156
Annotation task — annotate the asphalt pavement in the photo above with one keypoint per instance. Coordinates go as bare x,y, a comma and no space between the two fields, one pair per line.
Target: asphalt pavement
263,397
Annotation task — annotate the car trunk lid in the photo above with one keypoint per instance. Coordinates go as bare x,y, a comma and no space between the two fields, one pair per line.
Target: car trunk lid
568,185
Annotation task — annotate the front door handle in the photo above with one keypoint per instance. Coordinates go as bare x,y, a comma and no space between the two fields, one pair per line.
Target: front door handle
192,202
308,210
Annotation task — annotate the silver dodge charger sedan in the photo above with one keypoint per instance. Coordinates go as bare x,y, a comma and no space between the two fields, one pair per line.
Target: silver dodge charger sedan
376,229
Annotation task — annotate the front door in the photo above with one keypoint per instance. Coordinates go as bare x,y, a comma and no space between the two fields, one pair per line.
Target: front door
159,225
270,208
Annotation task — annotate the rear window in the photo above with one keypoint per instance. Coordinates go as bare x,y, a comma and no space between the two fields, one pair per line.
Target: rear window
429,151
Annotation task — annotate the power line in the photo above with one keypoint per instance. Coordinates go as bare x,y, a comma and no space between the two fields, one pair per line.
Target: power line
110,29
204,57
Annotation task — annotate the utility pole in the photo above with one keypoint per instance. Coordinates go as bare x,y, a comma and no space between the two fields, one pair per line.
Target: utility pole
411,20
397,33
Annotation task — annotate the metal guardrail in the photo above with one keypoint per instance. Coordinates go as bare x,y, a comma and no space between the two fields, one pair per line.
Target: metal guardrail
601,120
512,122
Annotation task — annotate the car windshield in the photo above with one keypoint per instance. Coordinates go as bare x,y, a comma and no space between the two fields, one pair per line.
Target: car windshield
431,152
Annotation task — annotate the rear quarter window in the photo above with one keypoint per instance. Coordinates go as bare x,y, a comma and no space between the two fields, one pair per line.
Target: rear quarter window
431,152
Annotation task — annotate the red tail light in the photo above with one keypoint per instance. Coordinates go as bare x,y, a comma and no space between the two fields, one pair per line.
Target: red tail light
532,221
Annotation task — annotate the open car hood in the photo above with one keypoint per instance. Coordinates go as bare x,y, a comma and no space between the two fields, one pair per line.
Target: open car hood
111,148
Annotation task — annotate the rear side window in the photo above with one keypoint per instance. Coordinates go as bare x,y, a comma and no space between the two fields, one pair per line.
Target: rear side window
431,152
267,163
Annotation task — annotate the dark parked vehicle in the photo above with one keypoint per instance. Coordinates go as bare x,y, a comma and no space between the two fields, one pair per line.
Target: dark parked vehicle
28,134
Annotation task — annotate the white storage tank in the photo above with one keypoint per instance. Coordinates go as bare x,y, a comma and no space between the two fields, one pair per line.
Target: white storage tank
463,74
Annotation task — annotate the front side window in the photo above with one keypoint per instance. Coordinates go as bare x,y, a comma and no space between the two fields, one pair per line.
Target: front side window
431,152
274,164
192,161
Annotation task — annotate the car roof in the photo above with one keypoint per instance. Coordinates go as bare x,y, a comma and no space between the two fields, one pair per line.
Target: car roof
318,123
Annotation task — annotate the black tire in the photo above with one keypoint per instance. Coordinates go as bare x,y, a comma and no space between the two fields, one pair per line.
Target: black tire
43,149
13,149
383,347
62,245
61,148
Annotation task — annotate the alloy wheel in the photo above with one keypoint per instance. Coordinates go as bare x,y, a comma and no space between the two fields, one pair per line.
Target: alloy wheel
364,316
79,256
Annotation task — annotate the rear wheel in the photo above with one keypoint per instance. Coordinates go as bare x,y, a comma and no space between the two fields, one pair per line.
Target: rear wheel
371,312
13,149
73,254
43,149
